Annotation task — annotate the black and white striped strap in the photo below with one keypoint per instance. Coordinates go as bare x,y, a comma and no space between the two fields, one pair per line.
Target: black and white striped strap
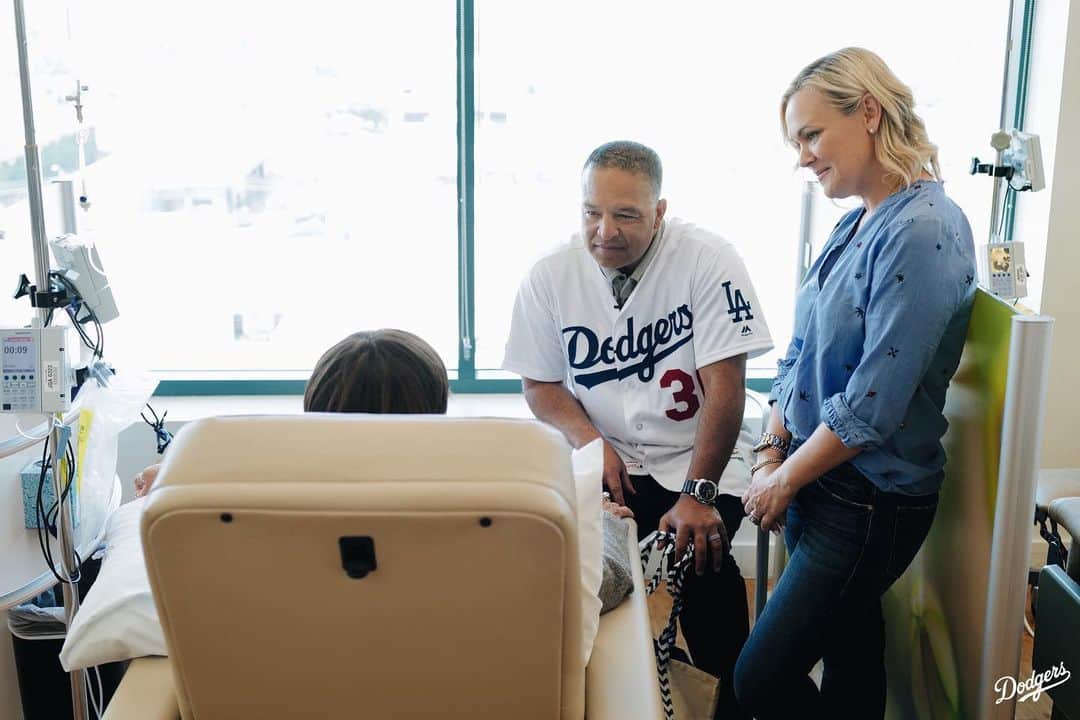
675,574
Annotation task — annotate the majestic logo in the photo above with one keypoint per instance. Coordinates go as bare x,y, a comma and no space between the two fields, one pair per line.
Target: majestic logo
746,331
651,343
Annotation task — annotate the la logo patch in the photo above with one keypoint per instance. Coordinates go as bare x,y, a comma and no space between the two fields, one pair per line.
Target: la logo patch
737,305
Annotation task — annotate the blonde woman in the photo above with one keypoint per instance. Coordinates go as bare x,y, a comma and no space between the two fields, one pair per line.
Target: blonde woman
852,462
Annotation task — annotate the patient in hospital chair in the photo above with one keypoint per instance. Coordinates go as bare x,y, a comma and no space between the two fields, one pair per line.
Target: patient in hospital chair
393,371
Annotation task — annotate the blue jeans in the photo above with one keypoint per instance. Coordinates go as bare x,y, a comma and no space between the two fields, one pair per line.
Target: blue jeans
848,542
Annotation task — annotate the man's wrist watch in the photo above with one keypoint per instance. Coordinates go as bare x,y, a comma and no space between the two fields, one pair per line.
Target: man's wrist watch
768,440
702,490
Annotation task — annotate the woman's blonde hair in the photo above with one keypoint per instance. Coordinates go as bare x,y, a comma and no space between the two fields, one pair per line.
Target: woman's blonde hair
844,78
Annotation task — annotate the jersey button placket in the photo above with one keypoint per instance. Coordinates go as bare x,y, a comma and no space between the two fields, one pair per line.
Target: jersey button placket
627,397
627,385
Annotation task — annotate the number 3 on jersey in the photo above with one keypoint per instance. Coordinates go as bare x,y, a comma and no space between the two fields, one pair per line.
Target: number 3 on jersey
683,396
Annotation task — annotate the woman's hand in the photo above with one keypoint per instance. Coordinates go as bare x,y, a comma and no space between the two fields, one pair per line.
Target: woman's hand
767,499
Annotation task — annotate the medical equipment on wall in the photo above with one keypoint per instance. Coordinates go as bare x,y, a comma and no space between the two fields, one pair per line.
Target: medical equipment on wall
1017,168
36,372
80,265
79,286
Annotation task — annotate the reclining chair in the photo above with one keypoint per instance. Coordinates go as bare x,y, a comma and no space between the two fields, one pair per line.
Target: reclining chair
323,566
1059,615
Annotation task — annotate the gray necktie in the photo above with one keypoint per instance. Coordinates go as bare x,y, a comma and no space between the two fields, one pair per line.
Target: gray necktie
621,287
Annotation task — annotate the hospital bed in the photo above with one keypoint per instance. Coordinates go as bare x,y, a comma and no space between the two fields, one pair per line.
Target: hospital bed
375,566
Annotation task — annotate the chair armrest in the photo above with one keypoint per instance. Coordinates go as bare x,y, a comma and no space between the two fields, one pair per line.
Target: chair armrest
1066,513
145,693
620,681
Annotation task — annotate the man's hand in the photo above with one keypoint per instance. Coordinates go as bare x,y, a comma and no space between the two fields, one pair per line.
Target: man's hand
767,499
616,479
691,520
554,404
723,385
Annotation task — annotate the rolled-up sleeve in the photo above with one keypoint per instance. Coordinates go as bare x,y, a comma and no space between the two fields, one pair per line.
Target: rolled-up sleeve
917,283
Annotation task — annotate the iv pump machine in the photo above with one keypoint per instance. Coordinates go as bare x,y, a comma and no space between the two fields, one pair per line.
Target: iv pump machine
35,370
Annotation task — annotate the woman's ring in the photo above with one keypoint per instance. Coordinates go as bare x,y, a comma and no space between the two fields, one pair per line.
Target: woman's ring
755,519
716,536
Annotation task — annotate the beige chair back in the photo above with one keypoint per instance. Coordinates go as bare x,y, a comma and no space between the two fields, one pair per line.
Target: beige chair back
258,533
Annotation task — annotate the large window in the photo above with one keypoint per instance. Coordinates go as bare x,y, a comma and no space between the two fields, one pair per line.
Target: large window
701,83
265,178
268,176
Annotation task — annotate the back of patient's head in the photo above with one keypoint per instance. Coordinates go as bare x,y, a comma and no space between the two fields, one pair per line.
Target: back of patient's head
380,371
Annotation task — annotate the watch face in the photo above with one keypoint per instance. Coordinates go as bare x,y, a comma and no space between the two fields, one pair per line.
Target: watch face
706,492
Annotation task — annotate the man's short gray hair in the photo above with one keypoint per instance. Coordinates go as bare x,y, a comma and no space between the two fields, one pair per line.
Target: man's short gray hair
630,156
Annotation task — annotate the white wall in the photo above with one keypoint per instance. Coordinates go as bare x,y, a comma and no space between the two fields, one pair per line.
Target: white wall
1062,268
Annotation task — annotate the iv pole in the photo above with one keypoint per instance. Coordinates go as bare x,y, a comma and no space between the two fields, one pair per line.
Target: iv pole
65,531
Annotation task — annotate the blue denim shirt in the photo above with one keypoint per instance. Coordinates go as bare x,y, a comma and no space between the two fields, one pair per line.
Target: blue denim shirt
880,322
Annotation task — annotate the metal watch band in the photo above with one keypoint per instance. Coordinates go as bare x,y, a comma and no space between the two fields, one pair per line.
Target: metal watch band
768,440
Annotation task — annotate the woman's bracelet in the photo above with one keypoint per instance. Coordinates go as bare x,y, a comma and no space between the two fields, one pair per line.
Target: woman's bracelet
763,463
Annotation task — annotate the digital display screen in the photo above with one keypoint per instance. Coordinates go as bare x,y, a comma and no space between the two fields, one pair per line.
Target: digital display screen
20,354
1000,261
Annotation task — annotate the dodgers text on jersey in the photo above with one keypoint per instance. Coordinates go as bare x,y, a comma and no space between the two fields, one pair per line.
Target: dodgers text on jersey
653,342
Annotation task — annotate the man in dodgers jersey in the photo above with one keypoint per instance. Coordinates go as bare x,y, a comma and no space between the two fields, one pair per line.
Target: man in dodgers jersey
638,332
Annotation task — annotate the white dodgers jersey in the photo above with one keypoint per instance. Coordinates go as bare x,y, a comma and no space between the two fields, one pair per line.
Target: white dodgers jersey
634,368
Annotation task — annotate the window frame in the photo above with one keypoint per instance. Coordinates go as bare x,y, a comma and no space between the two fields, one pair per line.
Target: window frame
1015,91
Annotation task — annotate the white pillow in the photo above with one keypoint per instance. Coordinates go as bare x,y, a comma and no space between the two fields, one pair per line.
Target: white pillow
117,620
588,464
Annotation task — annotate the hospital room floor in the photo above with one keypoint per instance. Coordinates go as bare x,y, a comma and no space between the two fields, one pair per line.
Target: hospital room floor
660,608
